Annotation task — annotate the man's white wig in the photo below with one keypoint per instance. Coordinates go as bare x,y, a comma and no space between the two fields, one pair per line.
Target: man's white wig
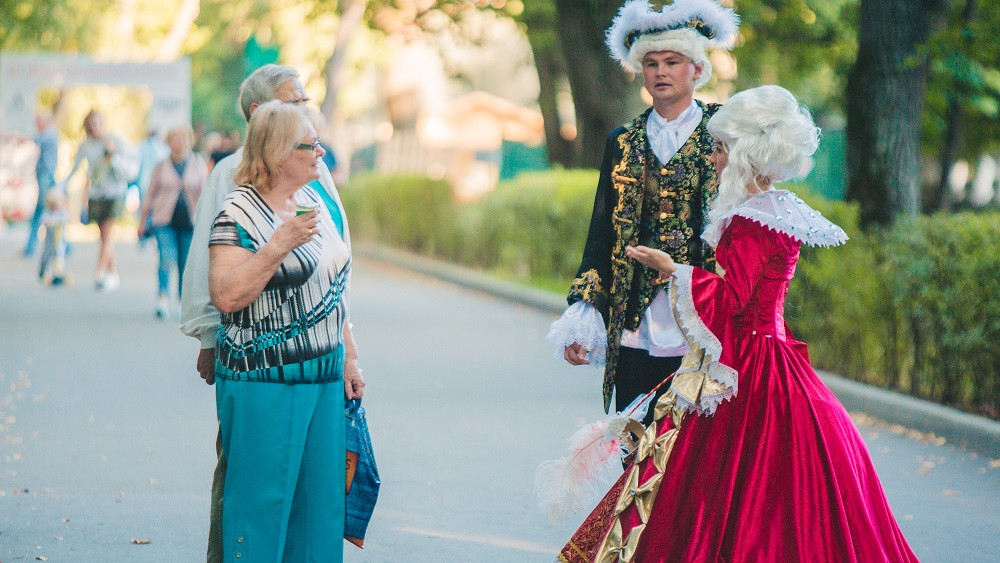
688,27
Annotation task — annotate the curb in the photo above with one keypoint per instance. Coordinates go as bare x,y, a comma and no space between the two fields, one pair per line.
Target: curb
540,299
960,429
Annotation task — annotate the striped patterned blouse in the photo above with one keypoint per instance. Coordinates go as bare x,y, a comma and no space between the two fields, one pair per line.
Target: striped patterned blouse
293,331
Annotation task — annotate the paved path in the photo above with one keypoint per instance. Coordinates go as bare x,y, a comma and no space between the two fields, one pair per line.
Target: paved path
107,434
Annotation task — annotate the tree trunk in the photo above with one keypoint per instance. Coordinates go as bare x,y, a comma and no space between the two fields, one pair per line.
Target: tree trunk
952,133
174,41
603,93
126,27
885,98
350,19
560,150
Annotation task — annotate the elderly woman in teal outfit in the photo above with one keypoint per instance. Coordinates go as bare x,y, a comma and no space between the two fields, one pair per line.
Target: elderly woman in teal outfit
281,281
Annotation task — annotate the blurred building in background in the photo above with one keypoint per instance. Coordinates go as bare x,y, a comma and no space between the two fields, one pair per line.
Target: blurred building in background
464,113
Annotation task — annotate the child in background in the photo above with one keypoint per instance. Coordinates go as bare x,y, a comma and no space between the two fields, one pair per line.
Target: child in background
54,219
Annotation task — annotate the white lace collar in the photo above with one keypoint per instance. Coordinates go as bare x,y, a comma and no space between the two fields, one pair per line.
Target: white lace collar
784,212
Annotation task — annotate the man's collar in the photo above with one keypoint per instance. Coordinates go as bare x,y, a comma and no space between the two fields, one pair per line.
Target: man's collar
658,121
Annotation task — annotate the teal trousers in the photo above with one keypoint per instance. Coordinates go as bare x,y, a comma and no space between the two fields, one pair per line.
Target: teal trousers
283,498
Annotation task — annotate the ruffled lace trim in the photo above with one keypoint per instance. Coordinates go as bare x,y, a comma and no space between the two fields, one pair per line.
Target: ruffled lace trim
698,333
583,324
784,212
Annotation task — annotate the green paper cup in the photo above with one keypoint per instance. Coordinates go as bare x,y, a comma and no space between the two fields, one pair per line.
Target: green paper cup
300,209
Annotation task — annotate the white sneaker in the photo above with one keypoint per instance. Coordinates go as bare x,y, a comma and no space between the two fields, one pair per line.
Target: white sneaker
163,307
111,282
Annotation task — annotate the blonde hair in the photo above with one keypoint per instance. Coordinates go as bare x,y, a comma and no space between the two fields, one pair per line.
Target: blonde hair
770,139
274,130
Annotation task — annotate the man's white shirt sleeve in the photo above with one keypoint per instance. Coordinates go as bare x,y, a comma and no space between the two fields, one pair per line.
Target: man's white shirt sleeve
199,318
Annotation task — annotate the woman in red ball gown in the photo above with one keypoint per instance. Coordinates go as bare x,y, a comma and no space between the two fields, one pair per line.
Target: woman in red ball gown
751,458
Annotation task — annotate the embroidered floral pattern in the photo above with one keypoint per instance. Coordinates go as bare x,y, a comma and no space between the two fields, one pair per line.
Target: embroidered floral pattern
587,287
661,205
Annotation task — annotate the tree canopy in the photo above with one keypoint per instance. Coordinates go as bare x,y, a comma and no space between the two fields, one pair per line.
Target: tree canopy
808,46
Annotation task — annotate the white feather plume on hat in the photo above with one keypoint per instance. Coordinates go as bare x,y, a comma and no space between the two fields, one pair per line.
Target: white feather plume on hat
688,27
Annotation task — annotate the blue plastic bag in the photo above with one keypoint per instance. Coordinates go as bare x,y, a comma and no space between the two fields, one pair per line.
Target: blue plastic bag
363,491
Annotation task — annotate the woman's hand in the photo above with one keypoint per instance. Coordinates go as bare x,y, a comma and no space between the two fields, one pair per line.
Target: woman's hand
652,258
354,384
295,232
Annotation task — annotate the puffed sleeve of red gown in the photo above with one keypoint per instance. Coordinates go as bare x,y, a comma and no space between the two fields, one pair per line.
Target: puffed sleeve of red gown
704,306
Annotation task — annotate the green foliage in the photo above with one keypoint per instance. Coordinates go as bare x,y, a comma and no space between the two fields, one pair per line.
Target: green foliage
806,46
534,226
411,212
946,294
69,25
513,232
915,307
965,69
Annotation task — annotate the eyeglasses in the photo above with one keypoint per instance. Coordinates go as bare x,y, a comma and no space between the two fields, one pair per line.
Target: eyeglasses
308,146
719,146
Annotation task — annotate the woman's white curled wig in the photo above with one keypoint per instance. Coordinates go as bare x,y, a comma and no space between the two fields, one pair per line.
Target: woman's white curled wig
770,138
688,27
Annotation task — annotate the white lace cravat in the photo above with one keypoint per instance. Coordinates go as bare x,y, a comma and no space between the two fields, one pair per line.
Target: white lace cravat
667,137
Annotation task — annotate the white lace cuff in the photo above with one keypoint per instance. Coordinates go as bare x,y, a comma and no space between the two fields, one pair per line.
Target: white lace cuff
706,345
583,324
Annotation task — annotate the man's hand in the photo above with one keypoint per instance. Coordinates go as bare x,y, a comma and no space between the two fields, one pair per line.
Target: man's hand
576,354
206,365
354,384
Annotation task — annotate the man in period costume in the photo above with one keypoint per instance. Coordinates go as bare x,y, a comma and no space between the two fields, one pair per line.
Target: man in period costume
655,188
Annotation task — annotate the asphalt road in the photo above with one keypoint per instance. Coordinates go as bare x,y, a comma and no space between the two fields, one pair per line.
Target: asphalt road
107,434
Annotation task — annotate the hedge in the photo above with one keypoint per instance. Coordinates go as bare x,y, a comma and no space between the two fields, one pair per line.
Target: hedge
915,307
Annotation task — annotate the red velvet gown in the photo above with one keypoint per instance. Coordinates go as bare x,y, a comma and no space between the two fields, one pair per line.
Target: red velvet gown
751,457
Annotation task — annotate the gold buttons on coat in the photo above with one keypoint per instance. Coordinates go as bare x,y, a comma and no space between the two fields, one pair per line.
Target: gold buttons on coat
663,238
664,193
663,216
645,299
663,172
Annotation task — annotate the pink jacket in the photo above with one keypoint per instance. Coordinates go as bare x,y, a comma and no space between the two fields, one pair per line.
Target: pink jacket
165,185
